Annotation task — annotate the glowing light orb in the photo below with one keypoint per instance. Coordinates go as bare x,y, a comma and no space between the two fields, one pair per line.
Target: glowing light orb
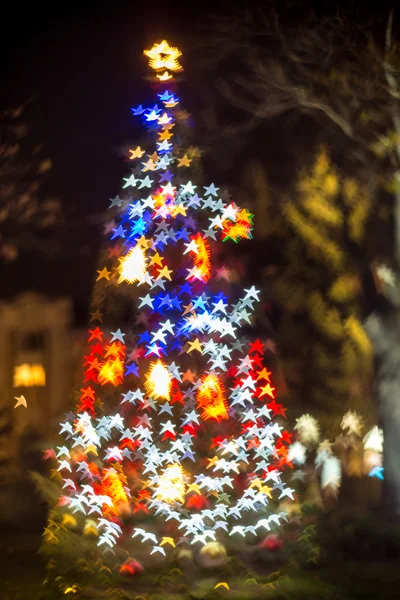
171,486
133,266
213,555
26,375
158,383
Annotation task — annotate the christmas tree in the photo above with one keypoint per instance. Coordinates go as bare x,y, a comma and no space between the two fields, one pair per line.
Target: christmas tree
176,436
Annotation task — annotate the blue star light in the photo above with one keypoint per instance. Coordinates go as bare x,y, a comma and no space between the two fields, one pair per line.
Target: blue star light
118,232
139,110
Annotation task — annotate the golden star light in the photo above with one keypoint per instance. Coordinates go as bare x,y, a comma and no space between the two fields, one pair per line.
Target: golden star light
164,57
211,399
112,371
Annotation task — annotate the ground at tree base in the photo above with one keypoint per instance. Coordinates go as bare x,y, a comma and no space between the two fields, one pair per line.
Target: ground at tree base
368,575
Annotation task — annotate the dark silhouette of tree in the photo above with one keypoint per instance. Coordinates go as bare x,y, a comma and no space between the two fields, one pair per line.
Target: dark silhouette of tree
344,78
27,217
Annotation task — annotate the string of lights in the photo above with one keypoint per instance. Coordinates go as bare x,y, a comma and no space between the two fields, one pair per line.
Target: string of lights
196,437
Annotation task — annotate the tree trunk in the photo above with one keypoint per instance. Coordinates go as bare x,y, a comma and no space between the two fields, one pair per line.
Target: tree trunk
384,332
390,415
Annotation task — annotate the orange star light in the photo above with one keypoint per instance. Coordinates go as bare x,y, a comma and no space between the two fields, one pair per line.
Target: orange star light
112,369
112,487
201,259
211,398
104,274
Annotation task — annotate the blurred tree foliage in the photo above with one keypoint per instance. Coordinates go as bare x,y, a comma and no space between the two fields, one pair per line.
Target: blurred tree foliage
27,218
322,226
335,222
318,232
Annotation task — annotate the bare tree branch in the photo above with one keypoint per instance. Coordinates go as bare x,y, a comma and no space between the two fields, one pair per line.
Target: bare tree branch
320,70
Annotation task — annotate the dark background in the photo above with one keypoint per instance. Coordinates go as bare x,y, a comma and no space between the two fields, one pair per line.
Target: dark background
85,68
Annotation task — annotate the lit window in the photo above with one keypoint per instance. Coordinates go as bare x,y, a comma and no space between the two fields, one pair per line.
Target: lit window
29,375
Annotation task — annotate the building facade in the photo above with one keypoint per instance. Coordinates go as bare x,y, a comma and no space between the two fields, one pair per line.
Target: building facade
38,359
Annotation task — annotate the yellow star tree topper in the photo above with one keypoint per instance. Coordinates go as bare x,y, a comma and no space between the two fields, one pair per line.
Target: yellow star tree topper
163,59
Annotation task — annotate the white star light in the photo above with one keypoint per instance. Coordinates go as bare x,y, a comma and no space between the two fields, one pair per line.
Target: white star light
374,440
163,210
308,429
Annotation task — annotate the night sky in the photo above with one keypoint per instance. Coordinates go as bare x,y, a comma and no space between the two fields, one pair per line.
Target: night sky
85,68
